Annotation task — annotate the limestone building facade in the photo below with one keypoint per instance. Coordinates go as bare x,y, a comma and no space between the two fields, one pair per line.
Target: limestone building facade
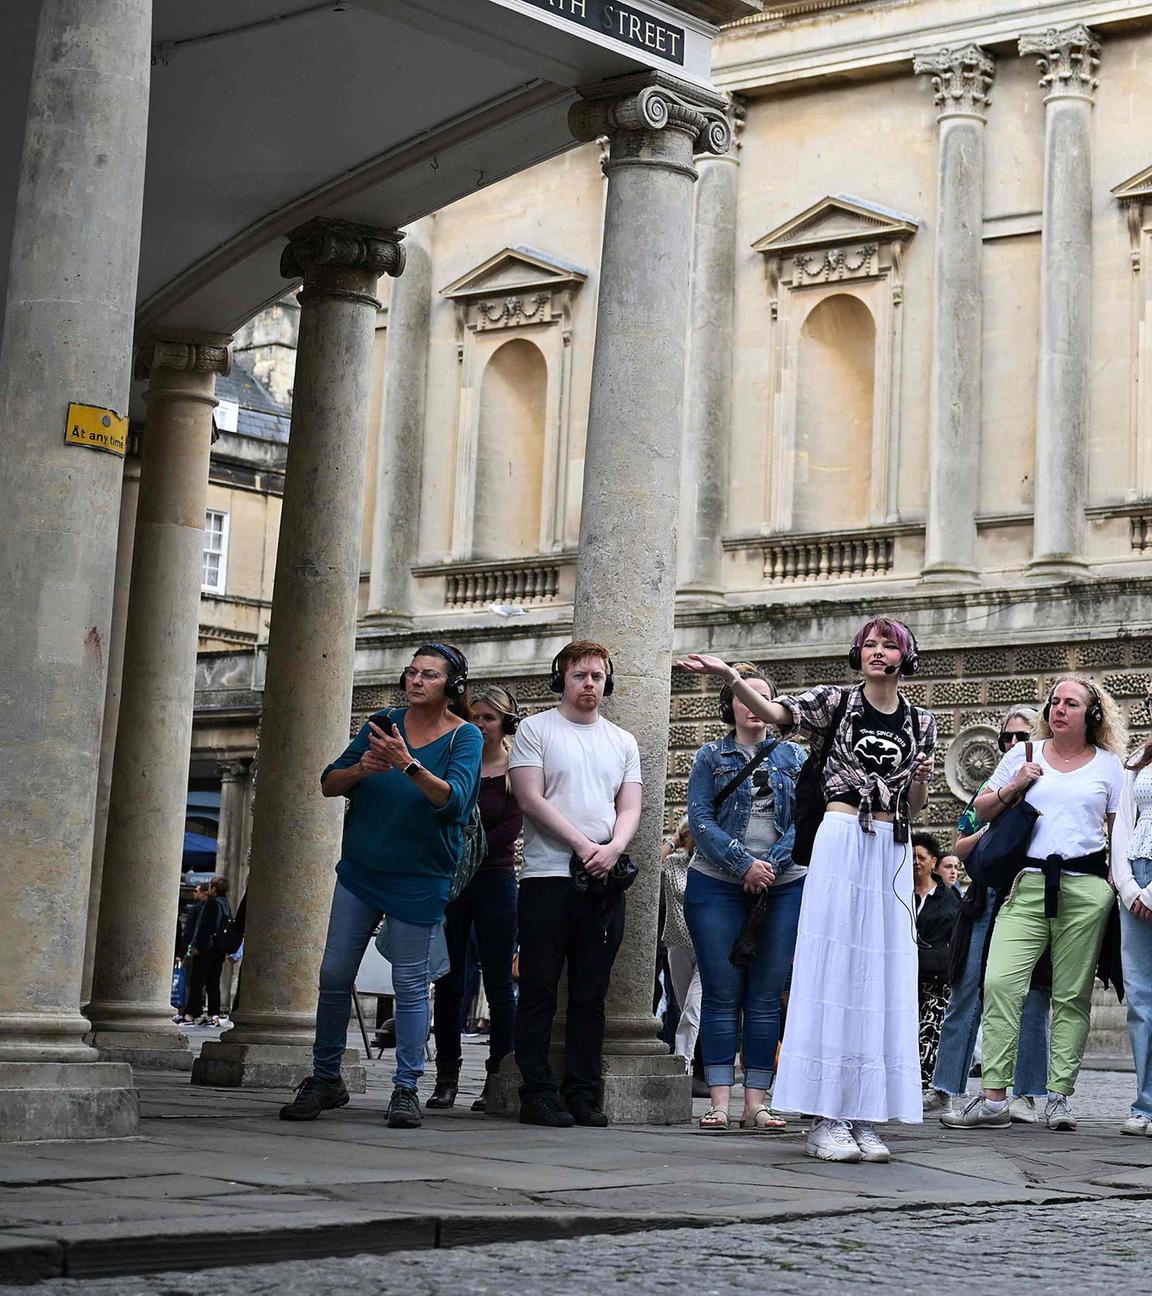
919,379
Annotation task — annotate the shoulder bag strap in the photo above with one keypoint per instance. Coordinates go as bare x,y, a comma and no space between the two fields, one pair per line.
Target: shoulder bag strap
731,786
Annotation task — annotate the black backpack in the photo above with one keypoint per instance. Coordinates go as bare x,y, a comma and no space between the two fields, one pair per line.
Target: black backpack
809,809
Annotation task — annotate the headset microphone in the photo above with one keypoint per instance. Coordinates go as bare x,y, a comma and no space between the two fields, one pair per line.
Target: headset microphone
891,670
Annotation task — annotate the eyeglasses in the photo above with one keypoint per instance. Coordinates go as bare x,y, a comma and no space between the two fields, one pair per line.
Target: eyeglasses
426,675
1009,738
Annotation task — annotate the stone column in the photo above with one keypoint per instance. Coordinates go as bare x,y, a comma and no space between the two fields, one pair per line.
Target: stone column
308,693
1068,62
961,80
67,338
232,846
708,393
400,451
144,845
626,571
129,495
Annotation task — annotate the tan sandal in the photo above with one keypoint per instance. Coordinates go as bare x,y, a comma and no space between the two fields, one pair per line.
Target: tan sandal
763,1118
715,1118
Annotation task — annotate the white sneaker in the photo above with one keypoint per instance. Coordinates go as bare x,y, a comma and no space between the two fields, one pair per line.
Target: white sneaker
976,1112
936,1100
831,1140
1057,1115
1136,1125
1022,1110
872,1146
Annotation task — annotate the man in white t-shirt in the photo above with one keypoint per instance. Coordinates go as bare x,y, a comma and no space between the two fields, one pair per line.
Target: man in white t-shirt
576,776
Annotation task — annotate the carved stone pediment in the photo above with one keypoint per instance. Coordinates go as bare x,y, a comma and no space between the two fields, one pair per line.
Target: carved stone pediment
1136,189
515,287
835,221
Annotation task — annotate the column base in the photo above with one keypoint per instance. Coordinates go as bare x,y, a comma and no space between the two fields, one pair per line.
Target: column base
222,1065
387,619
637,1090
692,599
67,1100
1059,567
944,573
143,1050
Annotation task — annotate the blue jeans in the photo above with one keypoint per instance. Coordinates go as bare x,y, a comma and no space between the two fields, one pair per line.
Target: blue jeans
1136,951
962,1021
488,906
715,913
350,928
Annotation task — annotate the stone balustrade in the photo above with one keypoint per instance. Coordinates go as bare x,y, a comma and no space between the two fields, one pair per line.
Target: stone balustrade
826,556
520,581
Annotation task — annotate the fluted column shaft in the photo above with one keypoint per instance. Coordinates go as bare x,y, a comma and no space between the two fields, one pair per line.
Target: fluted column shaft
1068,60
129,497
144,844
308,693
626,570
708,394
961,80
400,448
67,337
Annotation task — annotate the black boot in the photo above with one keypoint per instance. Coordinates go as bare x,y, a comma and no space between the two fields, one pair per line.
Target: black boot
481,1103
444,1095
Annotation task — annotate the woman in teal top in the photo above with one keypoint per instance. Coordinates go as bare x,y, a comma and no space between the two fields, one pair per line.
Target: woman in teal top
411,776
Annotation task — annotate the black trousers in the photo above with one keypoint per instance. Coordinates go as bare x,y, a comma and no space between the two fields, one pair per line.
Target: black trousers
487,903
557,926
204,979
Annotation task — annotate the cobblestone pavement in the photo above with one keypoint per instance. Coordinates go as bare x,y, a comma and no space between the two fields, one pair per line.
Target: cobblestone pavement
1086,1248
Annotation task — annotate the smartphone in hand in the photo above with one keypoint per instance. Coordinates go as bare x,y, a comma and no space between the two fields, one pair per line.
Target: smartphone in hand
383,723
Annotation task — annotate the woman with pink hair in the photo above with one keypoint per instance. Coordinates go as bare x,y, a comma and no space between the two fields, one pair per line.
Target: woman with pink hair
850,1053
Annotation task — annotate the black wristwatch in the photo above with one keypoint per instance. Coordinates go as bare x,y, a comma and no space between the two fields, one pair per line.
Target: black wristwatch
412,767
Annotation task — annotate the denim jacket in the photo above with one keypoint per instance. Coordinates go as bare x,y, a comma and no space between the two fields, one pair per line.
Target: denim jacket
720,832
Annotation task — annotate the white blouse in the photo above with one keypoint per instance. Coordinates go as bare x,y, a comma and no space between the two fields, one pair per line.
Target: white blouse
1140,843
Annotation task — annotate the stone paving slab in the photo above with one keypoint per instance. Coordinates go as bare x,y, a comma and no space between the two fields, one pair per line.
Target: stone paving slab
216,1179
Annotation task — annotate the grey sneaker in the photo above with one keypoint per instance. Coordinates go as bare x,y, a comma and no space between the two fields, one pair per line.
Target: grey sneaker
404,1110
1057,1115
1136,1125
1023,1110
974,1113
936,1100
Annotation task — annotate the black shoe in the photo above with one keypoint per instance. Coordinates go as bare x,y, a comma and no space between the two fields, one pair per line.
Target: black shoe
586,1113
315,1094
444,1095
481,1103
404,1110
543,1109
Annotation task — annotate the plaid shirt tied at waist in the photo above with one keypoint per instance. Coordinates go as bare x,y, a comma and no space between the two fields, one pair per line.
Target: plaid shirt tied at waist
812,714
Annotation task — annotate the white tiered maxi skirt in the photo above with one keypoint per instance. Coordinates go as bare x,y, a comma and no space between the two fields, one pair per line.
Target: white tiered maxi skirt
851,1049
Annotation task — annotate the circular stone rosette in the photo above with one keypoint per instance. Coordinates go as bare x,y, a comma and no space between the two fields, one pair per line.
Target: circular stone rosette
971,758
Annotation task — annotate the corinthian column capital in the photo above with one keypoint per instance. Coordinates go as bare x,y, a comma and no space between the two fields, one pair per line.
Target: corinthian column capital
961,79
339,258
185,353
648,105
1068,59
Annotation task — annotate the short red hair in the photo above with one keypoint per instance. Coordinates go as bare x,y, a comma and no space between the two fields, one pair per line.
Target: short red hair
576,651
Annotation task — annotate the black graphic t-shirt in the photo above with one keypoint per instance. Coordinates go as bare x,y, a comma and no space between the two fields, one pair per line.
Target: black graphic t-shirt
879,744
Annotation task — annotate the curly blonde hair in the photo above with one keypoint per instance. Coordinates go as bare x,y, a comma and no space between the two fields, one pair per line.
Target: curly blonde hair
1111,734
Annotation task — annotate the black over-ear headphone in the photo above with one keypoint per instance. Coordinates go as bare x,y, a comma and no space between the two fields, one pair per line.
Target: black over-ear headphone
509,717
556,677
457,681
727,711
908,662
1093,714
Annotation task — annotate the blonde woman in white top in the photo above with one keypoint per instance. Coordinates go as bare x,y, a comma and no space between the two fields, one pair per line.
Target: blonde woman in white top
1132,878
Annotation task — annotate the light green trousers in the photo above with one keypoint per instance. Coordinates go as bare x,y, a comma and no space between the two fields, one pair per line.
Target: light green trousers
1018,940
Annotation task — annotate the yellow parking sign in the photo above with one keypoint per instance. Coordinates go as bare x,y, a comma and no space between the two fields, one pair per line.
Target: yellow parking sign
97,428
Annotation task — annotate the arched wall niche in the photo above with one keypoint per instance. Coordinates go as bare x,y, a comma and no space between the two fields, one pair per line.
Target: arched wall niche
835,395
514,344
849,252
510,452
